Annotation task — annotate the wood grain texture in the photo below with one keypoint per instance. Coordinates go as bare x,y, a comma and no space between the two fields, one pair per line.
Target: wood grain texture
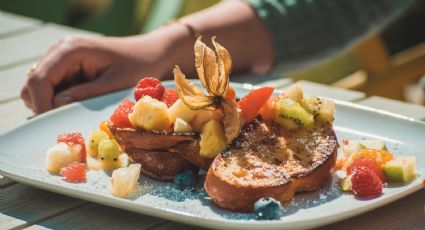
92,216
27,47
21,205
4,182
12,80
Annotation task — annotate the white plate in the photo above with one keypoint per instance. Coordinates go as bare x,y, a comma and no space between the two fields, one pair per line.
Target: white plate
22,158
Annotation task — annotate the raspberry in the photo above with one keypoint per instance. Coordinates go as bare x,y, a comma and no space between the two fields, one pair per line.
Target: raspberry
148,82
369,163
149,86
71,139
366,184
75,172
170,97
120,116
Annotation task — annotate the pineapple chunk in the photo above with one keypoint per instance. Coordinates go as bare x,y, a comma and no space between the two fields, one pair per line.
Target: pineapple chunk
151,114
124,180
213,140
181,126
295,92
204,116
180,110
61,155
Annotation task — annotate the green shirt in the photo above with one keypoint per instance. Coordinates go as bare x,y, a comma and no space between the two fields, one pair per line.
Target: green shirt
304,31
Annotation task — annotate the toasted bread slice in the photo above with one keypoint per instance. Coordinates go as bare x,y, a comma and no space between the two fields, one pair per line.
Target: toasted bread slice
268,161
161,154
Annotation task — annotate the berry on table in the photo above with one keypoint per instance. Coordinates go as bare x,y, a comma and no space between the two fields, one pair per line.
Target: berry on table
267,208
149,86
365,183
185,179
369,163
74,173
120,116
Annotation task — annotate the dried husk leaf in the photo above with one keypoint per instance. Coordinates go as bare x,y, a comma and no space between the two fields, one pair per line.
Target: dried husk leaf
224,62
207,68
232,120
190,94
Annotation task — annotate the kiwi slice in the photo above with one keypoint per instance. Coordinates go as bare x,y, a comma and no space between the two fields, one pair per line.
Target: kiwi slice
320,108
292,115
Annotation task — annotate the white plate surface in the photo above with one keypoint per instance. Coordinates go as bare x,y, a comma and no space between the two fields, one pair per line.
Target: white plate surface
23,150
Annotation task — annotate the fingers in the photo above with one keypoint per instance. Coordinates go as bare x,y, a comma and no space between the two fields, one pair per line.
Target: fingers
101,85
60,62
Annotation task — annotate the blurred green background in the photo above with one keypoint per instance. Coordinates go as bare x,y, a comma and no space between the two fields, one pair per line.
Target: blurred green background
129,17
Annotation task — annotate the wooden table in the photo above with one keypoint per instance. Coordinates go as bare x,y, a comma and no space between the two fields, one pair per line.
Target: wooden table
24,40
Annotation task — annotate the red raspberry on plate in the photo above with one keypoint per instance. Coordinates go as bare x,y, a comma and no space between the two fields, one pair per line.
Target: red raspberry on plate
369,163
71,139
75,172
149,86
170,97
120,116
365,183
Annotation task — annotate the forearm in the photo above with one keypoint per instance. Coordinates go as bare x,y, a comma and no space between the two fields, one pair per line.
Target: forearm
237,28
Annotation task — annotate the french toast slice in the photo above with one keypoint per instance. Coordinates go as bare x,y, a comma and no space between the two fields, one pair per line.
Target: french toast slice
161,154
268,161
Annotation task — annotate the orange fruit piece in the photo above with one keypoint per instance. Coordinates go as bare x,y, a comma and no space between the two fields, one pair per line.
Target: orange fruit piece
381,156
251,103
268,110
103,126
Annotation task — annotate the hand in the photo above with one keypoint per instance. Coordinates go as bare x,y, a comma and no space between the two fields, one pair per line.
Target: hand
79,68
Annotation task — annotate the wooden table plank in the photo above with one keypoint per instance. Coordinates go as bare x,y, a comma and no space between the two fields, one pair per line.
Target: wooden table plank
4,181
22,205
30,46
394,106
316,89
12,81
93,216
11,24
12,114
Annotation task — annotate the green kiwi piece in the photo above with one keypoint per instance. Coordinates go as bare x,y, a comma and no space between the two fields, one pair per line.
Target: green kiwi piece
292,115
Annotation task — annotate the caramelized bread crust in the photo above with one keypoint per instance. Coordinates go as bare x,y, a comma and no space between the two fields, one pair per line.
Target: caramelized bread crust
268,161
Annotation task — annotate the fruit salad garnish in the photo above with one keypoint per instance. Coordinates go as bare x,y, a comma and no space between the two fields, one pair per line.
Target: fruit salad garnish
120,116
69,148
104,153
213,71
124,180
291,109
74,173
368,166
149,86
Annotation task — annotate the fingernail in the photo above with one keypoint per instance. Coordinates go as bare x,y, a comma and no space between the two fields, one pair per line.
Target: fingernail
63,100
